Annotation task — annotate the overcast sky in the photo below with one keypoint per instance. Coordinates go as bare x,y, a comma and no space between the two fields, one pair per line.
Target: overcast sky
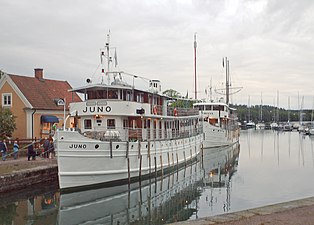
269,43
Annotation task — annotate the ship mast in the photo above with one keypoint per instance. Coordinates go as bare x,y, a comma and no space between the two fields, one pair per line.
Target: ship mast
227,90
227,80
195,45
108,56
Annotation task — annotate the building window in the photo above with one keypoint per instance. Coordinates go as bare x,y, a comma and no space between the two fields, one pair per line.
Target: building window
88,124
6,99
111,124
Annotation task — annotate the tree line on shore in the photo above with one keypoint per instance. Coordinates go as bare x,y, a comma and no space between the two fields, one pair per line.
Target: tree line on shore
271,113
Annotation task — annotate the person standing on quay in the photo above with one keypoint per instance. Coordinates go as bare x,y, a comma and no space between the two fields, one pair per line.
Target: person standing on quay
31,152
46,148
51,149
3,149
15,149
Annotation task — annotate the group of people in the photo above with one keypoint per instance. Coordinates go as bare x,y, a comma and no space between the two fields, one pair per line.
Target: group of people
4,149
48,150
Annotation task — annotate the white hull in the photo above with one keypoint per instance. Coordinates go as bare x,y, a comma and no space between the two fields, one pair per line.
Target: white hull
217,137
84,162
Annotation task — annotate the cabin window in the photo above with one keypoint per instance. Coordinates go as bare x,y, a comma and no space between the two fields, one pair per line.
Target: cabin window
140,97
125,123
113,94
208,107
111,124
6,99
88,124
200,107
216,108
128,96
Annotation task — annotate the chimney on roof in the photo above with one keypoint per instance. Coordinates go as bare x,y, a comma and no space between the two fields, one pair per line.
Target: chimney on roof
39,73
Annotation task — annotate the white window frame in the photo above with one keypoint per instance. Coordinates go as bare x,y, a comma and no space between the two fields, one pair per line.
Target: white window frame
4,95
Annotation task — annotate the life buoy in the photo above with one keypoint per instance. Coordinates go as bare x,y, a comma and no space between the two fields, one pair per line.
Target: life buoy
155,109
175,113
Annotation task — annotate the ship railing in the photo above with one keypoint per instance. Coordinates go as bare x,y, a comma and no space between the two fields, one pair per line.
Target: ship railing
178,111
142,134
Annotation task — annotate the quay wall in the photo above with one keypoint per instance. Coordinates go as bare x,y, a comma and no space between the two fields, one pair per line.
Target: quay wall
27,178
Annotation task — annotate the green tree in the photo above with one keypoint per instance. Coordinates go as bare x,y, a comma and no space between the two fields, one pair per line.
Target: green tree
7,123
172,93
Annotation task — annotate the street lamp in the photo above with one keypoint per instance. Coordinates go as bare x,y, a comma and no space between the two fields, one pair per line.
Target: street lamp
62,101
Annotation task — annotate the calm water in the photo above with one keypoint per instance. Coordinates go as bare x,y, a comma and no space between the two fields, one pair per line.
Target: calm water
266,168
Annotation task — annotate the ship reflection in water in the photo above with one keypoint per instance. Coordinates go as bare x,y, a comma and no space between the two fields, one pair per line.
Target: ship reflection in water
156,201
219,164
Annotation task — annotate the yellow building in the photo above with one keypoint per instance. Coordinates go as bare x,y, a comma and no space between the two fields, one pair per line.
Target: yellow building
36,103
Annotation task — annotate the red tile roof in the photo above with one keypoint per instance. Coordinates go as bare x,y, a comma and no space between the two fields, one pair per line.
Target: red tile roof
41,93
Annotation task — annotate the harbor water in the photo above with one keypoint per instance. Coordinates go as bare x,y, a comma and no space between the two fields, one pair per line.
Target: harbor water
267,167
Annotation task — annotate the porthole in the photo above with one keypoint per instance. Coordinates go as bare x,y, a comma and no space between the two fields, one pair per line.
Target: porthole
146,146
61,137
117,146
96,146
132,146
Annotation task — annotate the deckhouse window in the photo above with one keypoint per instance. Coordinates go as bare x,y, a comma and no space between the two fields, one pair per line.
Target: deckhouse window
111,123
216,108
140,97
128,96
199,107
125,123
113,94
6,99
88,124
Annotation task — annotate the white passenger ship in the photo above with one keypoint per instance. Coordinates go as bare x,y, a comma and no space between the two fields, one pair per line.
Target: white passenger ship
121,134
220,124
220,121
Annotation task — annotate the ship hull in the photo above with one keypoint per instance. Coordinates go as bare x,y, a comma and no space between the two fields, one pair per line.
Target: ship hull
85,162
